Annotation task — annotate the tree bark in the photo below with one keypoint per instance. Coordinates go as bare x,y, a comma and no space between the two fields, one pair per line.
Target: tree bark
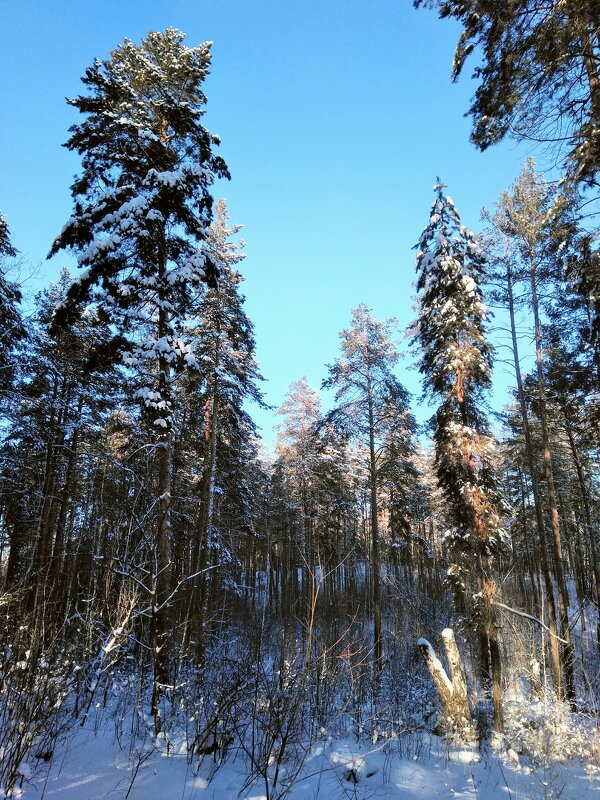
160,623
375,570
585,500
535,488
563,597
452,690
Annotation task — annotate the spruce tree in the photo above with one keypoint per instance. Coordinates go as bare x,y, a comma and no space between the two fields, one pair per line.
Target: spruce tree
222,342
456,362
142,208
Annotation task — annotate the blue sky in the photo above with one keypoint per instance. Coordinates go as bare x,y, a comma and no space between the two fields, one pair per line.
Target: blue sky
335,119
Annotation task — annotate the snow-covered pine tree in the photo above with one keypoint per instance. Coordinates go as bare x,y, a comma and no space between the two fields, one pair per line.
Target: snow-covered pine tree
403,495
222,340
338,487
456,361
62,397
11,324
6,247
370,401
141,216
297,458
537,73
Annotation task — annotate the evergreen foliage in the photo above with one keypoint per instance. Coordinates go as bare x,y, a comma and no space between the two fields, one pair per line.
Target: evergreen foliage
372,408
142,205
6,247
12,328
456,360
539,74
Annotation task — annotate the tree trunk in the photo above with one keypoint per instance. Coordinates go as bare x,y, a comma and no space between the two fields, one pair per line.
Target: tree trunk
537,498
563,597
207,520
57,572
376,588
161,616
585,500
452,691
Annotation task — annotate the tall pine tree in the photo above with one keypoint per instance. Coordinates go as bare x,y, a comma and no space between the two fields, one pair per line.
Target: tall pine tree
142,208
369,403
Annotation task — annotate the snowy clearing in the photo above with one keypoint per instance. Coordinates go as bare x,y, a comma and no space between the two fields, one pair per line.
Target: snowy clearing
96,764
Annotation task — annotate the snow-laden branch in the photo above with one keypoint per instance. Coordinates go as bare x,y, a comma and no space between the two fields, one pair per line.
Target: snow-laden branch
524,614
180,583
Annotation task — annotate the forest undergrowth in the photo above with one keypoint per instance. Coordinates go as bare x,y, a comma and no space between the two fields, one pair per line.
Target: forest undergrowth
268,696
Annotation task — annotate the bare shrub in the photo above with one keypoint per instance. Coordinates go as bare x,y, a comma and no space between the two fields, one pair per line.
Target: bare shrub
36,682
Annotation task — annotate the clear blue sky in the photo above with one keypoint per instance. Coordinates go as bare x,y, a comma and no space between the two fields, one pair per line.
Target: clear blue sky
335,118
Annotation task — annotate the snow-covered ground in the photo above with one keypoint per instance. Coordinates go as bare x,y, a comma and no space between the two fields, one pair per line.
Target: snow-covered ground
93,763
547,753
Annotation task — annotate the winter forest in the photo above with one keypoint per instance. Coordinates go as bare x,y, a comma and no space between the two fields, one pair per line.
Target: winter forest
376,606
